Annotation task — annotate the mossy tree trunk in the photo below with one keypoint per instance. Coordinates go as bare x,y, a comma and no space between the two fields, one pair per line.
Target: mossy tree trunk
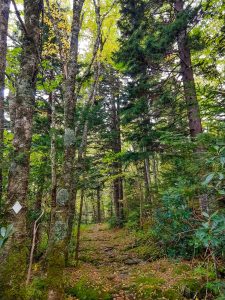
4,16
56,252
70,99
13,268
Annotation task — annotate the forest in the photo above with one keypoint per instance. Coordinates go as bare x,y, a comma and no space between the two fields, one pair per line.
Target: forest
112,149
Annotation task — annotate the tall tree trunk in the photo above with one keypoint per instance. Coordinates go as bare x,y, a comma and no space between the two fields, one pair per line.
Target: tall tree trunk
117,166
193,111
15,259
99,214
58,248
53,161
82,151
154,170
79,226
38,205
4,17
148,197
12,110
70,99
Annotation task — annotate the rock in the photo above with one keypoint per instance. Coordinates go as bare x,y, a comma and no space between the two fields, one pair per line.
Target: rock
108,249
133,261
111,276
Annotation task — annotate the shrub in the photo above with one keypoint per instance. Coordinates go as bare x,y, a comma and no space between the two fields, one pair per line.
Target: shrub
173,225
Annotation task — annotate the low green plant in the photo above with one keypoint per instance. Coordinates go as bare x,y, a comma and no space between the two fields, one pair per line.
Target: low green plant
210,234
5,233
133,221
217,287
37,290
174,225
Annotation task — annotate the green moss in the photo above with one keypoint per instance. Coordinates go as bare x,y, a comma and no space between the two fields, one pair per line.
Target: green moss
13,273
172,294
180,269
148,287
148,252
154,281
85,291
56,263
206,272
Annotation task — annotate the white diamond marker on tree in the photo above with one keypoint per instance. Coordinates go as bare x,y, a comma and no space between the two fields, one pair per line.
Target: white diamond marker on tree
17,207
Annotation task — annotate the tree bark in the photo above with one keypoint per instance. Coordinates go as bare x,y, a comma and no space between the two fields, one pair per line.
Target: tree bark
70,99
58,248
4,17
53,161
193,111
15,258
195,125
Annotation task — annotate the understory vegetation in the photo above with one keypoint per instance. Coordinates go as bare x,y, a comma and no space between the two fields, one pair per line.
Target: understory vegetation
112,149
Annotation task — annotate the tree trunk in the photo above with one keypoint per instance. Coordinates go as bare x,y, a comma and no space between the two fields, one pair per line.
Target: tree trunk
56,253
70,99
53,161
78,227
195,125
4,16
12,110
117,166
193,111
99,214
154,170
148,198
15,258
38,205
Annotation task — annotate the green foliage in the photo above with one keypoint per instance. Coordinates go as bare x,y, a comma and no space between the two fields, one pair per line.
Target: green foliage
210,233
173,225
37,290
5,233
133,221
217,288
112,222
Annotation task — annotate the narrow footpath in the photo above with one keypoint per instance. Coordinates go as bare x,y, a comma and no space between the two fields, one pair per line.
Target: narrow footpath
112,267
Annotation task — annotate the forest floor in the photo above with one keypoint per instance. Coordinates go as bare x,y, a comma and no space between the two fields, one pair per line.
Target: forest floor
112,266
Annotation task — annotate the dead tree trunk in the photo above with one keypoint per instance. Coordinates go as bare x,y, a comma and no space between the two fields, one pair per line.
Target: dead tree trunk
15,258
4,16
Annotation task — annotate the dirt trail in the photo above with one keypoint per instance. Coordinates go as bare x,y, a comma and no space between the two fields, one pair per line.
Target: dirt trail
111,268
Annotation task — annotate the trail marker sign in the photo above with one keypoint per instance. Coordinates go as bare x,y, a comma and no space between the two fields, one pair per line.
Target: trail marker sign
17,207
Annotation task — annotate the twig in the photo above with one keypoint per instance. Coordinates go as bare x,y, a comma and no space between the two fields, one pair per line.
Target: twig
32,247
19,17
